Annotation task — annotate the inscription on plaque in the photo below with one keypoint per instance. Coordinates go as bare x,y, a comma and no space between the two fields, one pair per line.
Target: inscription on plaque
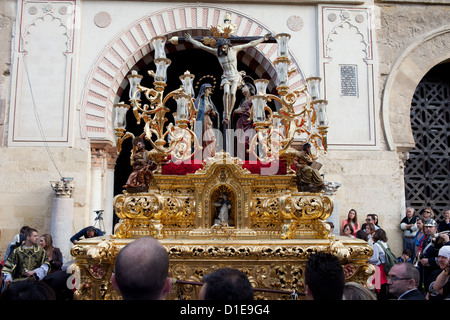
349,80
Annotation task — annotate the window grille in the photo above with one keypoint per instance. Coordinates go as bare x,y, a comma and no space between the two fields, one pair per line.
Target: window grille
427,171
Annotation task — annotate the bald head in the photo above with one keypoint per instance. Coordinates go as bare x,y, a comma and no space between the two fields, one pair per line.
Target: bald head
141,270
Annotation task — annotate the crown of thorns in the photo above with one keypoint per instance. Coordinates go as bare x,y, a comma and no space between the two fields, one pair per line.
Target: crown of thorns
221,32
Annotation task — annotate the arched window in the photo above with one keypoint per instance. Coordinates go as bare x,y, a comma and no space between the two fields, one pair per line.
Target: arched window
427,172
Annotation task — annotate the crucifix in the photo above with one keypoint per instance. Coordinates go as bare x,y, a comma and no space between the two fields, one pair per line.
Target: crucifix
226,50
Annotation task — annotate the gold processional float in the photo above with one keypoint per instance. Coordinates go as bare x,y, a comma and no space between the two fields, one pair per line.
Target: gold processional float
274,217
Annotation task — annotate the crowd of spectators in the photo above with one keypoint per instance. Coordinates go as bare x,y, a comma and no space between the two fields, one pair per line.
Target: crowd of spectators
33,269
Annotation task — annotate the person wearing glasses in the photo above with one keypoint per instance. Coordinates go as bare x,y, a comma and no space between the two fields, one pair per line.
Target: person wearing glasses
427,214
370,218
402,280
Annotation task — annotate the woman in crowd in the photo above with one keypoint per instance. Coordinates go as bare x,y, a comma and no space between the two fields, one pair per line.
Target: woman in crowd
348,231
418,238
352,219
370,230
54,254
378,259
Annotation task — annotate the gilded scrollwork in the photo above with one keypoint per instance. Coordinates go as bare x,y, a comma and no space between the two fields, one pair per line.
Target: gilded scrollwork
270,265
262,206
273,230
93,270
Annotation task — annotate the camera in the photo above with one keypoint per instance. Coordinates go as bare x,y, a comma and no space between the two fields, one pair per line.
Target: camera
99,214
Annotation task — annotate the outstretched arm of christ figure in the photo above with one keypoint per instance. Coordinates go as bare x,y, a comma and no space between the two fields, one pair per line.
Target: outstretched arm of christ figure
252,43
199,45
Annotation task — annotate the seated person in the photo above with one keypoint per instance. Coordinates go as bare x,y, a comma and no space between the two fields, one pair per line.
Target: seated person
306,175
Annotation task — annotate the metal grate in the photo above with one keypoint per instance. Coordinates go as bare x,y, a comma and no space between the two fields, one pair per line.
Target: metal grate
427,172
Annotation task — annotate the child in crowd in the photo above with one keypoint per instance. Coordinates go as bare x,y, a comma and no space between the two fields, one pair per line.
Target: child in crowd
406,256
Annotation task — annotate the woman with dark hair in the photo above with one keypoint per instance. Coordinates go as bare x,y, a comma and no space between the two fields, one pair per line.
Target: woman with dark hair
352,219
378,259
370,230
348,231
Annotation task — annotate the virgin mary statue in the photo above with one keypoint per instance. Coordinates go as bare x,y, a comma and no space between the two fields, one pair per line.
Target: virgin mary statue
207,121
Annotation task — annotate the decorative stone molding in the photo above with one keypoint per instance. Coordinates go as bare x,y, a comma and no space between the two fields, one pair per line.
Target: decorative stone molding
63,188
101,151
44,31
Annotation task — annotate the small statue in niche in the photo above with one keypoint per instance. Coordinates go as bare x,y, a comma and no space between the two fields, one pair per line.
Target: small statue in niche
143,167
223,206
308,176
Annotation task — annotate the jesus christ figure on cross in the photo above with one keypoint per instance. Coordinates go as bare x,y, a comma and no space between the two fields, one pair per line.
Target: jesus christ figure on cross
231,78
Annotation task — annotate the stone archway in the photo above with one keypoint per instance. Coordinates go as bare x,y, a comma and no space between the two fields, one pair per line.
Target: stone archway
407,72
107,78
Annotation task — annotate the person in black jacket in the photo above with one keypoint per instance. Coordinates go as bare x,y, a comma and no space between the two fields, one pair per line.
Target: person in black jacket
409,229
88,232
403,280
428,261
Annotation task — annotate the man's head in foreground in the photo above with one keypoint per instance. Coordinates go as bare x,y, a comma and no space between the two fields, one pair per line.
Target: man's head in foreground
141,270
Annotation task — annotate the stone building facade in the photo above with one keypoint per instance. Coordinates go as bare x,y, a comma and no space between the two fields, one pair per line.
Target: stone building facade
63,65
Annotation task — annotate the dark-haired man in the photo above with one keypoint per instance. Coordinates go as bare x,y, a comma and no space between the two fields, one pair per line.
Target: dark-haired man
324,277
226,284
88,232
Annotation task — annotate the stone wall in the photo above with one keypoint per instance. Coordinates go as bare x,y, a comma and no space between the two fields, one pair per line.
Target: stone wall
26,194
411,39
371,182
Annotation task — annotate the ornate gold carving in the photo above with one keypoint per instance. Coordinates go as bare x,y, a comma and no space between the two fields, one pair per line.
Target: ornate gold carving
93,270
269,264
262,206
273,230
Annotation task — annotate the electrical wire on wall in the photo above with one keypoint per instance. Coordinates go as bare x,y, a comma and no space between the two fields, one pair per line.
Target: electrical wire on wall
38,120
